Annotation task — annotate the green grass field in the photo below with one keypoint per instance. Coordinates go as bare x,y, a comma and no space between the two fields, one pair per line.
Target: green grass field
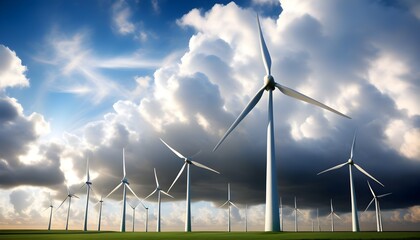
39,234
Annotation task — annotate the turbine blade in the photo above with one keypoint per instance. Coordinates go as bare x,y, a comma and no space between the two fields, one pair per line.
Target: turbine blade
130,204
119,185
329,214
264,50
144,206
203,166
156,179
353,145
292,93
179,174
74,195
299,211
150,194
87,171
82,186
223,204
131,190
61,203
196,154
367,174
371,190
124,172
173,150
167,194
241,116
373,199
234,205
333,168
335,214
383,195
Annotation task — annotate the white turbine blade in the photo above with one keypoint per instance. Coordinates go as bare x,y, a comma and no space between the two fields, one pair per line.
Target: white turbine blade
241,116
61,203
373,199
87,171
150,194
299,211
383,195
295,94
82,186
119,185
371,190
335,214
173,150
353,145
130,205
156,179
329,214
179,174
74,195
167,194
196,154
124,172
141,202
234,205
264,50
131,190
224,204
203,166
333,168
367,174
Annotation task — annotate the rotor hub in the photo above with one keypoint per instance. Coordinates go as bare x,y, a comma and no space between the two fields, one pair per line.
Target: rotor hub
125,180
269,83
350,161
188,161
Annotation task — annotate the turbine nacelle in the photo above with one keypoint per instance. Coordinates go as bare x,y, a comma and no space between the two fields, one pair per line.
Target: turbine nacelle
269,83
125,180
350,161
88,183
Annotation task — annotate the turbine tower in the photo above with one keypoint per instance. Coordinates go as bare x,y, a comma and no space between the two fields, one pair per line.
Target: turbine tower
246,217
134,211
87,183
271,197
158,190
350,163
377,208
229,203
100,213
125,184
187,162
296,210
51,210
317,220
69,196
281,215
146,222
332,214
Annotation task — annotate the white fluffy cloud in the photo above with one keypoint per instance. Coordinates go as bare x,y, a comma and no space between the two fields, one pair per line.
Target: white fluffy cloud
12,72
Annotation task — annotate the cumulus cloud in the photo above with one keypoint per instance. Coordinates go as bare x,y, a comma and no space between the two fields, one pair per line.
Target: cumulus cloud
122,14
12,72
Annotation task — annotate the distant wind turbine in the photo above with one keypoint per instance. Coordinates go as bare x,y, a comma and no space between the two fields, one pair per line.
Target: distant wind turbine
281,215
158,190
317,220
146,222
134,211
296,210
88,187
125,184
246,217
100,202
350,163
377,208
69,196
187,162
51,210
229,203
332,214
271,197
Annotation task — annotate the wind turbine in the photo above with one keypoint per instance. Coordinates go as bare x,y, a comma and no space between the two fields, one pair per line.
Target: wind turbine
100,213
147,217
134,211
187,162
296,210
281,214
158,190
229,203
350,163
125,184
377,208
271,197
69,196
88,187
332,214
51,210
317,220
246,217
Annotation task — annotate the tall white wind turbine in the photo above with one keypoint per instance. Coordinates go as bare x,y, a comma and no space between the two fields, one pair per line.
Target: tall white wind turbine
229,203
125,184
134,211
187,162
350,163
69,196
281,215
296,210
146,222
51,211
246,217
100,202
88,187
271,197
332,214
377,208
159,191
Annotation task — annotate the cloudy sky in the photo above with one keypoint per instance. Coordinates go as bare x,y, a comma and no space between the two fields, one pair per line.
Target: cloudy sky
85,79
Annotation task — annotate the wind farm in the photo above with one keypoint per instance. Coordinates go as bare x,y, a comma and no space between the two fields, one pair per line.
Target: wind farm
99,100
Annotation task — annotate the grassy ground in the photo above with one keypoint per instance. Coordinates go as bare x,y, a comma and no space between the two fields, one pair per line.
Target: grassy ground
38,234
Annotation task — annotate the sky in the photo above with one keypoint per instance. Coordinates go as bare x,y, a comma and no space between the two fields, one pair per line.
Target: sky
85,79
